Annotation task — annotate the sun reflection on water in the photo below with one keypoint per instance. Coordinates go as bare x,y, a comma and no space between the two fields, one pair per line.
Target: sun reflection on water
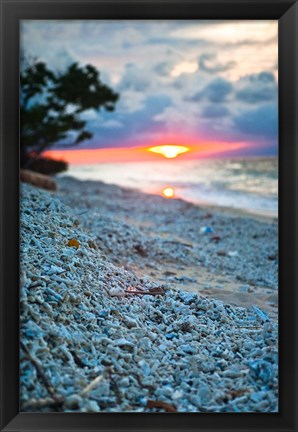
168,192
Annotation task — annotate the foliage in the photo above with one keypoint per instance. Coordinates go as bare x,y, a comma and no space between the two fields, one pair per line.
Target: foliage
48,166
51,104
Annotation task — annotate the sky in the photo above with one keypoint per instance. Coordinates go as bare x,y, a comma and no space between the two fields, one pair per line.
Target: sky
206,84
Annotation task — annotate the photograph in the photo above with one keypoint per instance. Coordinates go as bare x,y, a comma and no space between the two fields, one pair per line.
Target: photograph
149,224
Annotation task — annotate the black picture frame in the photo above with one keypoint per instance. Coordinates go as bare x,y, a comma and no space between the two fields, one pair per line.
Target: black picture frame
286,12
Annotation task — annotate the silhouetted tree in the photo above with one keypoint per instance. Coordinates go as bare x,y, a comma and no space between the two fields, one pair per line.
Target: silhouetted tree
51,104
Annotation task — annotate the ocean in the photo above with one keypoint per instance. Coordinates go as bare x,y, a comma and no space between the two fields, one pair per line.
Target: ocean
250,184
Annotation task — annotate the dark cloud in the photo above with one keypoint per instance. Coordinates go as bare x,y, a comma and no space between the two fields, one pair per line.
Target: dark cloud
262,77
215,111
257,88
208,63
135,124
254,96
216,91
262,121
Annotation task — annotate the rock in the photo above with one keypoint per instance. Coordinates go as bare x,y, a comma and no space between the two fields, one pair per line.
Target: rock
130,322
203,305
145,367
204,394
91,406
68,253
117,292
124,344
73,402
261,370
244,288
169,273
188,349
38,180
233,253
206,230
183,279
188,297
260,314
171,335
103,313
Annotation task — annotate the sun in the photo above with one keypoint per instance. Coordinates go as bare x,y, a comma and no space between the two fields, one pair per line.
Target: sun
168,192
169,151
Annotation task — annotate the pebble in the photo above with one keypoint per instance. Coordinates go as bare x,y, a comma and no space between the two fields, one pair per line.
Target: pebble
183,347
73,402
244,288
91,406
145,367
188,349
260,314
116,291
204,394
206,230
123,343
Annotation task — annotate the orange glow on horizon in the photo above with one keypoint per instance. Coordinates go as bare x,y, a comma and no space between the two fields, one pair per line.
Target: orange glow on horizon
168,192
141,154
169,151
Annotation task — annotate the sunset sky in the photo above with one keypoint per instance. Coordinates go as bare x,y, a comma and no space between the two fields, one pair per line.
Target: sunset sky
210,85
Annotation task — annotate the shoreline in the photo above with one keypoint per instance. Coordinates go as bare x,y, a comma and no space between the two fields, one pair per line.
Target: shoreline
152,219
190,182
233,211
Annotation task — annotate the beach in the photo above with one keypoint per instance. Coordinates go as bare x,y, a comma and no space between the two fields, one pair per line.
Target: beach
132,302
164,240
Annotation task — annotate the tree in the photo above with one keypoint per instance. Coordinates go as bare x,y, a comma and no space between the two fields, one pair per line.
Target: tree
51,104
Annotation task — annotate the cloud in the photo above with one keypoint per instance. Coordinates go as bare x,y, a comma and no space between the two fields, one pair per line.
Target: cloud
254,96
216,91
130,102
215,111
88,115
262,77
192,78
208,63
128,128
228,32
112,124
261,121
184,68
164,68
134,79
61,59
257,88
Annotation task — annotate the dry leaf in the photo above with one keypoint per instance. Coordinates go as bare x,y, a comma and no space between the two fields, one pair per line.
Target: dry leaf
160,404
74,243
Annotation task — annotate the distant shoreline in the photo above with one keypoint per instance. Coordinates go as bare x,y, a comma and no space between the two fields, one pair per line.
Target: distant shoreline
232,211
255,214
249,185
